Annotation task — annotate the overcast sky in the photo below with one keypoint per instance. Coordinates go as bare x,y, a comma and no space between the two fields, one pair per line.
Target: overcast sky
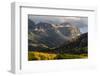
80,22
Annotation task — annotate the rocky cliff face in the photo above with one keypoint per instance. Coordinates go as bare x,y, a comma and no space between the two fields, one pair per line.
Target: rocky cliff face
46,35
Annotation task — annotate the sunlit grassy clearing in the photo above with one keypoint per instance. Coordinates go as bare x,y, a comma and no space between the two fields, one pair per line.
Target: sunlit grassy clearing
41,56
47,56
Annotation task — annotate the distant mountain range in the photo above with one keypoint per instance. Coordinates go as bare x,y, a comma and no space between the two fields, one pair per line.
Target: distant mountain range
45,35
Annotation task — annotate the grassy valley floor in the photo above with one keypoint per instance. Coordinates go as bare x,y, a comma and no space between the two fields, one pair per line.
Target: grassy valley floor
52,56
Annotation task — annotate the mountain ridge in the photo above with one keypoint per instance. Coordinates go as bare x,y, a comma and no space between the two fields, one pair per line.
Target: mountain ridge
46,35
